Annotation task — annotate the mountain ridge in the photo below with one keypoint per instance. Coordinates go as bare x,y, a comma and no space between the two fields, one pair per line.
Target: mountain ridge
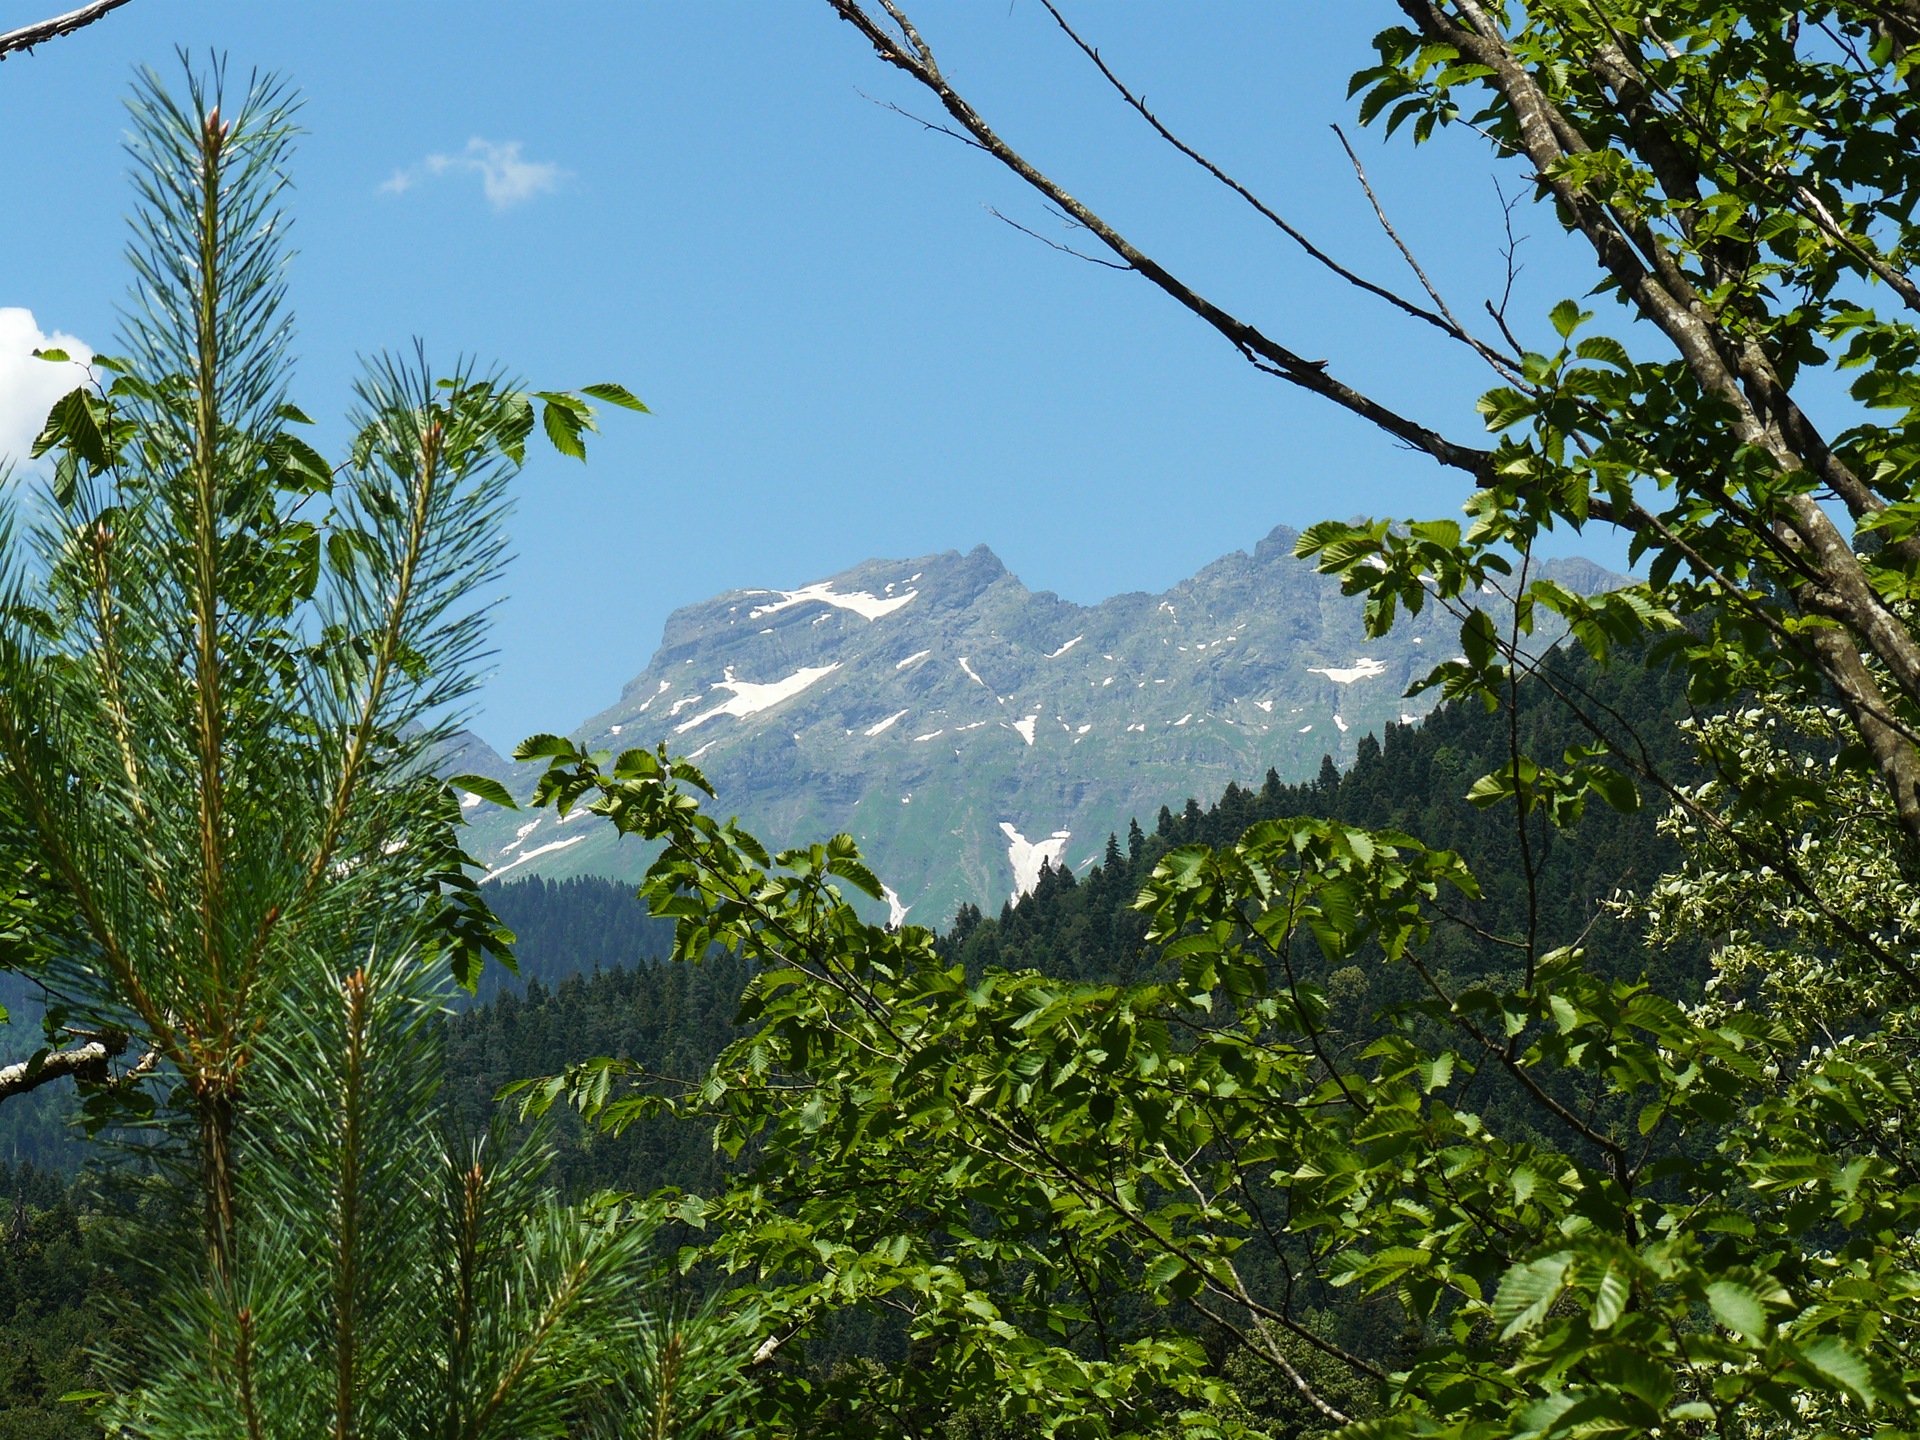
1022,726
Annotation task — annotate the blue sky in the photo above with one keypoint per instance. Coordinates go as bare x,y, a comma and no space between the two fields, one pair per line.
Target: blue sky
847,355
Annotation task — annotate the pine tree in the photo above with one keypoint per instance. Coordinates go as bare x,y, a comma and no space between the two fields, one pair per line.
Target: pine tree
225,666
1137,840
1329,777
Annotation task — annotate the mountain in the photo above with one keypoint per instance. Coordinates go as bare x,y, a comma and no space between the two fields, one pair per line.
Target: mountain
588,946
965,728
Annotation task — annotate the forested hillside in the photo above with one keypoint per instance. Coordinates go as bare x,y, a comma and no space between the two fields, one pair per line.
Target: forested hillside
674,1019
1416,782
571,927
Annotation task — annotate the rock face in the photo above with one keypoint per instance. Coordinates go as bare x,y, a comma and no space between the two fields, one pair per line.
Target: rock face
964,728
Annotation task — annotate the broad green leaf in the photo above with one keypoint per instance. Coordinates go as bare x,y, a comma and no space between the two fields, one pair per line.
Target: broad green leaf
1568,317
1528,1292
1840,1363
1610,1298
563,427
540,747
1737,1307
484,787
615,395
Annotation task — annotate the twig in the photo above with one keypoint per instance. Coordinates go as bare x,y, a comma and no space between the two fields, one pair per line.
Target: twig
920,120
1055,244
1492,357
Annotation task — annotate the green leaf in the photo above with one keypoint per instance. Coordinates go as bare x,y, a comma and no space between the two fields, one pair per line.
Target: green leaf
1479,639
1610,1298
1528,1292
1490,790
1568,317
1840,1363
485,788
541,747
1739,1308
1614,788
72,423
1604,348
1437,1073
563,429
615,395
52,353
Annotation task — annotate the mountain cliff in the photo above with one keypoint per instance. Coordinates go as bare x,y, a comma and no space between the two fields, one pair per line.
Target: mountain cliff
965,729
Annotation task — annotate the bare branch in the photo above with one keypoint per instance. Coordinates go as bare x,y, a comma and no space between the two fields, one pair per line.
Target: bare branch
925,124
84,1062
28,36
1492,357
1442,322
915,58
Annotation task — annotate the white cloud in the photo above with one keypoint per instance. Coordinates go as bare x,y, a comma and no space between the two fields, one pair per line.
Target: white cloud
28,385
507,179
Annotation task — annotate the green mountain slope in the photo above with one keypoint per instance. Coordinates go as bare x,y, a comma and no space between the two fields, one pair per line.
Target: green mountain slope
965,729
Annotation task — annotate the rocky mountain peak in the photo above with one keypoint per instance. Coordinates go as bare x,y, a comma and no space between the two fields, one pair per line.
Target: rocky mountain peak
965,729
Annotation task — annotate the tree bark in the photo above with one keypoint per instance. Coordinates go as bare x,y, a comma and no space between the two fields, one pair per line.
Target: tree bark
84,1062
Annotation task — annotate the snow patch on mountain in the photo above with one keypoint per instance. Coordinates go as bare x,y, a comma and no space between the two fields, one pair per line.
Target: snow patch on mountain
1025,727
1025,856
886,724
1365,668
860,602
533,854
1066,647
750,699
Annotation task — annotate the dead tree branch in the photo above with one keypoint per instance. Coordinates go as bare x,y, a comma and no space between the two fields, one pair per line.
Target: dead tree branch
28,36
83,1062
